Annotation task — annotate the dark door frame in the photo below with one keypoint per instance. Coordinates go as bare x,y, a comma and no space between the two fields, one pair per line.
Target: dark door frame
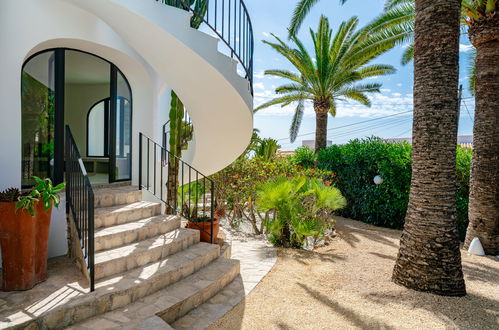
59,90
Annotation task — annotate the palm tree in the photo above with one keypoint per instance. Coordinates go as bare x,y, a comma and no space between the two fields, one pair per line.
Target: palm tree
396,22
333,73
429,258
483,22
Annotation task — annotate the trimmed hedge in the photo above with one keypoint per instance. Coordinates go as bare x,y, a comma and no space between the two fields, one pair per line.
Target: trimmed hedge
358,162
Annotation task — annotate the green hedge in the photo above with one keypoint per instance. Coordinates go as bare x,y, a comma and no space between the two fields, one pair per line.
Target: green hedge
357,163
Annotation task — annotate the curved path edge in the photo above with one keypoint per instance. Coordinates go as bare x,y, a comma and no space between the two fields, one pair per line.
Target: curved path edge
257,259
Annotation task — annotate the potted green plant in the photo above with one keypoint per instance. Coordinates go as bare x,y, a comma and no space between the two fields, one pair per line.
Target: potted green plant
24,230
203,224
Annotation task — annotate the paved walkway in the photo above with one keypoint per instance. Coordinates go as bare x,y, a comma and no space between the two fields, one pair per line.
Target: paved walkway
257,259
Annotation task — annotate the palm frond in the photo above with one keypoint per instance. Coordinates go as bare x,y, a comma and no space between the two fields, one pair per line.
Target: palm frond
296,122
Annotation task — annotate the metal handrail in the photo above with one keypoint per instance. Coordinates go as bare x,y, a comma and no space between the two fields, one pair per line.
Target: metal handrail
231,22
196,191
166,129
80,202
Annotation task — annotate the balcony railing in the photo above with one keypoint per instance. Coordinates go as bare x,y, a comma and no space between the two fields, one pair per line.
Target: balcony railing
230,21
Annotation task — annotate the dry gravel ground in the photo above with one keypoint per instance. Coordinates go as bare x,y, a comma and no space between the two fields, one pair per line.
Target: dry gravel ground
347,286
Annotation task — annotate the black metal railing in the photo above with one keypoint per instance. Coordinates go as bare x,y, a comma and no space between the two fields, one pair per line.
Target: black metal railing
188,128
80,202
195,199
231,22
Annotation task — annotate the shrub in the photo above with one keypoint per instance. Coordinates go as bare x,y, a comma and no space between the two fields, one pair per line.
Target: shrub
236,185
301,207
358,162
304,156
463,164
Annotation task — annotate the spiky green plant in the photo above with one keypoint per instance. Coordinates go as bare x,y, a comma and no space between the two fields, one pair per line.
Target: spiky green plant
301,208
10,195
267,149
334,71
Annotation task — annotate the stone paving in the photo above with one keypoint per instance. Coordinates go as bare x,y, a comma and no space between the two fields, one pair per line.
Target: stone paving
257,259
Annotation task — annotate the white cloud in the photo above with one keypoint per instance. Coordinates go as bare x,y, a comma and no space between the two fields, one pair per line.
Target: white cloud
382,105
259,75
396,94
386,90
465,48
259,85
266,34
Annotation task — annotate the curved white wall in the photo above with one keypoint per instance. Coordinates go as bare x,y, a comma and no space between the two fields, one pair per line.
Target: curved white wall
154,47
217,98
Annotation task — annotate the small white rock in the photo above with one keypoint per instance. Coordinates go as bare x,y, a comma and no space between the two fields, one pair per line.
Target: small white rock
476,247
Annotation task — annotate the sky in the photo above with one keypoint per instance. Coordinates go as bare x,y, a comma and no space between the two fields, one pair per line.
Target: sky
352,120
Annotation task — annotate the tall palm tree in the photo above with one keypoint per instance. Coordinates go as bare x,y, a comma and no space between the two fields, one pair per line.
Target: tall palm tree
483,22
429,258
396,22
334,72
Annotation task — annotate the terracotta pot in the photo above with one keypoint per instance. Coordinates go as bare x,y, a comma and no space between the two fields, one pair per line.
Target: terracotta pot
206,228
24,242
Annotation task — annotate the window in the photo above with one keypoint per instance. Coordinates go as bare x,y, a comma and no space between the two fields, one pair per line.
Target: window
97,129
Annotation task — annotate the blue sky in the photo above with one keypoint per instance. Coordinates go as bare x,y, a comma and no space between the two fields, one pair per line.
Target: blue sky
273,16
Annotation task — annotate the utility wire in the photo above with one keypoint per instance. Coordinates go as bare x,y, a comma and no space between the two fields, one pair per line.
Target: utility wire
349,125
369,128
469,114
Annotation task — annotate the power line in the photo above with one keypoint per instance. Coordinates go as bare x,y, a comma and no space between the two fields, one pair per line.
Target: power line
469,114
349,125
369,128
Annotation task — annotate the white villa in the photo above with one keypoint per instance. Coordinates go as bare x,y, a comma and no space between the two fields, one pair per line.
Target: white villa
85,93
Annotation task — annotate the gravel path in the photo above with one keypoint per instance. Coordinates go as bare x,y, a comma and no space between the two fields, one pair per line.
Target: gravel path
347,285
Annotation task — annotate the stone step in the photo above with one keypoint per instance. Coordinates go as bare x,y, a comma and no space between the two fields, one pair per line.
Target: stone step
130,232
197,288
118,291
120,214
127,257
105,197
170,303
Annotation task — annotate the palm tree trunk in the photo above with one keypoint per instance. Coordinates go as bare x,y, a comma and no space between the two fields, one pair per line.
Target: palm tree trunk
484,188
429,258
320,129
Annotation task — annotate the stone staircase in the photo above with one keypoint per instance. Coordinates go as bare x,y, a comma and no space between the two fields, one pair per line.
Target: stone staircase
142,259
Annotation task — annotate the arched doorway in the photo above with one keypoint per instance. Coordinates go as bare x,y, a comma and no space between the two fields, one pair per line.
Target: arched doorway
62,87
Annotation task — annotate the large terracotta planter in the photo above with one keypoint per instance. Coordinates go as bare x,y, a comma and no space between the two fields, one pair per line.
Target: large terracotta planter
206,228
24,242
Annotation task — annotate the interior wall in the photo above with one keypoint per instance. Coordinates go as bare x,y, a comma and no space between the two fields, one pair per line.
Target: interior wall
79,98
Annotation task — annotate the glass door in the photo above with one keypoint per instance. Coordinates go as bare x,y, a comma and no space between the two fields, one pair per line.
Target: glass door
120,160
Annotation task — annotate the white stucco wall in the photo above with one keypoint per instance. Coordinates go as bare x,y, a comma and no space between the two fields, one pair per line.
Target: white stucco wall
155,49
29,26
